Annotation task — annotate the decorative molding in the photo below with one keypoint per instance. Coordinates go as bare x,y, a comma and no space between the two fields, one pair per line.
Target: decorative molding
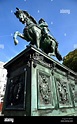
63,93
45,91
28,64
53,68
72,85
34,63
75,95
68,75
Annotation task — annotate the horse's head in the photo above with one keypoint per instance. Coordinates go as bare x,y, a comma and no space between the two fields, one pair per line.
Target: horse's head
21,15
24,16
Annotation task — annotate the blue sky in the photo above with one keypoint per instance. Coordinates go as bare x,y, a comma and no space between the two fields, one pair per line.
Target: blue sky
61,16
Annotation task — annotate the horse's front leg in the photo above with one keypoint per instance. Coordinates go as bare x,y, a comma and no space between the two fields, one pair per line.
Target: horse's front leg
15,37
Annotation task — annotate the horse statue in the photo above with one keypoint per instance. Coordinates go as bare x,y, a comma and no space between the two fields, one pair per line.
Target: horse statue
37,34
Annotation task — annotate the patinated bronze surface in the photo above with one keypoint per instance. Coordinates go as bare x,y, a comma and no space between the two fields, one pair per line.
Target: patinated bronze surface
37,33
38,85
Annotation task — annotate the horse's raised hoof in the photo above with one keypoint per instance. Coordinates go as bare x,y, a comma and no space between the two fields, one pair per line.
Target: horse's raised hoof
15,41
51,54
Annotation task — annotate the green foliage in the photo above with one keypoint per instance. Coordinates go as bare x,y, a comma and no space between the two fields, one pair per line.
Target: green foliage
71,60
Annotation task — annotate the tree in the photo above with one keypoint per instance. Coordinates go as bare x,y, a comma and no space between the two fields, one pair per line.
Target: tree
70,60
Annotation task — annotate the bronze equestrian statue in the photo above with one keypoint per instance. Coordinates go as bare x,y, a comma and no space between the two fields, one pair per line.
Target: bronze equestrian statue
37,34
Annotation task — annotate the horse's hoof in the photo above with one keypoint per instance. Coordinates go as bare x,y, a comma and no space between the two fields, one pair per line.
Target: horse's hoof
15,41
51,54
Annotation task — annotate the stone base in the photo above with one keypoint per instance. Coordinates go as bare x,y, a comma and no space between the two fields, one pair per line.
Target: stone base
38,85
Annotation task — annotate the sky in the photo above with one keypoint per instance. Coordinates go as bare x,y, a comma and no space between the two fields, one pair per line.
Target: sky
61,16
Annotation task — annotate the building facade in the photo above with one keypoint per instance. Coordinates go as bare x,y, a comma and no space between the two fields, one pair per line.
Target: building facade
3,79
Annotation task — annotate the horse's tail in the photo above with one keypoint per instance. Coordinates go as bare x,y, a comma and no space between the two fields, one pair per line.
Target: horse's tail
59,57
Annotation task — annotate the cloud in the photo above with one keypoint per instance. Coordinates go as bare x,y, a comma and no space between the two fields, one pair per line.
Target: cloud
51,23
65,34
11,11
1,46
75,46
38,11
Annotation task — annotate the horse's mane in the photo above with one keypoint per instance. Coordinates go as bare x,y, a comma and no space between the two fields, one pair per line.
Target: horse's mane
29,16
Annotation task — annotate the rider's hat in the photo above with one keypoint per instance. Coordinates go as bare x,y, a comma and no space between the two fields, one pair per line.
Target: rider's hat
41,20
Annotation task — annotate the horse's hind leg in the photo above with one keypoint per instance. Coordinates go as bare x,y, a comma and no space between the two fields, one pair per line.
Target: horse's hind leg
59,57
37,33
38,40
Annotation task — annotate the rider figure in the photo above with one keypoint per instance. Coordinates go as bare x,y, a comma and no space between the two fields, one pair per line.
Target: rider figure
43,25
45,31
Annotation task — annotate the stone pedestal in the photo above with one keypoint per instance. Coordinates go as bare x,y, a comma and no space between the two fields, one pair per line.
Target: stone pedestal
38,85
